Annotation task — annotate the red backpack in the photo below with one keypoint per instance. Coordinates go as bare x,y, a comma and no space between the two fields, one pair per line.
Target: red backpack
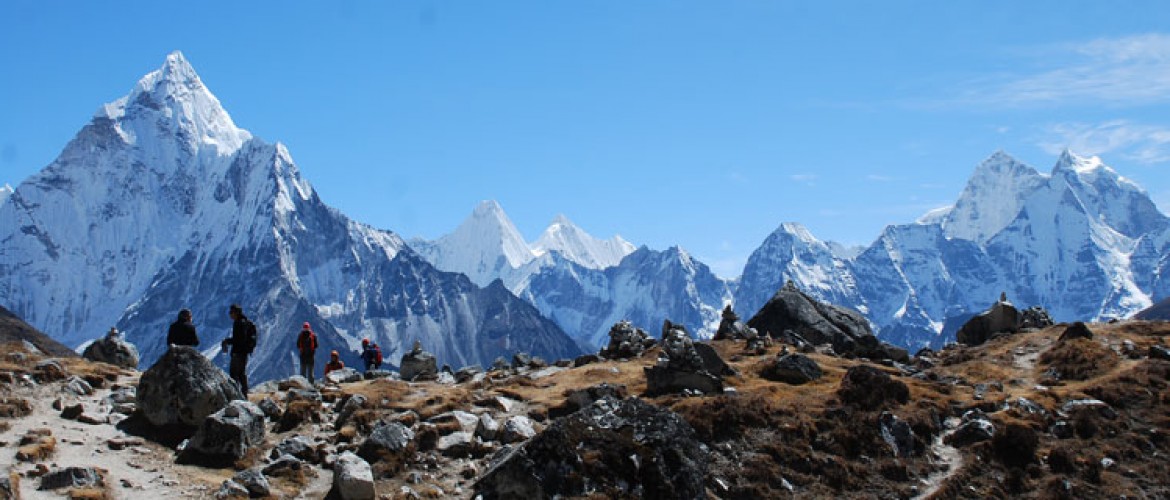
310,342
377,354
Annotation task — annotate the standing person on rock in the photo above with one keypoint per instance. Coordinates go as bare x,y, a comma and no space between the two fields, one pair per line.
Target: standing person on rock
182,331
243,341
307,345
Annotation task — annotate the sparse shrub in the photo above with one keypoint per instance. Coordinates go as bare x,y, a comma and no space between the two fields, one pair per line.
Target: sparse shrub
1062,461
1015,444
1078,359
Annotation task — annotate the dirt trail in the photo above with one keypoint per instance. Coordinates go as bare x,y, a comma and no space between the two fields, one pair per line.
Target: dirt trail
947,455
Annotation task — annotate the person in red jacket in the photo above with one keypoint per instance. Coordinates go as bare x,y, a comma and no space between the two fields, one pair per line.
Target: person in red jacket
307,345
334,362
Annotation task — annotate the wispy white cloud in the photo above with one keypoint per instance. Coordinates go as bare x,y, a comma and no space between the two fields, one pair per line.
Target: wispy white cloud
1121,71
1140,143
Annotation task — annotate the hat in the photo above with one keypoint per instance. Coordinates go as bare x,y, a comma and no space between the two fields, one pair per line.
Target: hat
306,326
333,353
365,341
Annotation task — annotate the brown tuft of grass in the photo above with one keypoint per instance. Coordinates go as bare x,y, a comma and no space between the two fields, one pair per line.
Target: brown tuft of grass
1078,359
41,449
14,407
91,493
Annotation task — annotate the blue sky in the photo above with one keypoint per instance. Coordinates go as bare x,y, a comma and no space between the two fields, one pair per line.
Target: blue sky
700,124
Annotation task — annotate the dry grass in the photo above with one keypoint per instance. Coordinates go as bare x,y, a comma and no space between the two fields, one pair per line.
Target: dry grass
36,445
1078,359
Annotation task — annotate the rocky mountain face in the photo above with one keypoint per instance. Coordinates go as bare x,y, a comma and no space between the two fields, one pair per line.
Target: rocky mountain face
1082,241
161,202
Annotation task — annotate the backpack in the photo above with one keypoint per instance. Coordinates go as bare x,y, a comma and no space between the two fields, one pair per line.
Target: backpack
309,343
377,355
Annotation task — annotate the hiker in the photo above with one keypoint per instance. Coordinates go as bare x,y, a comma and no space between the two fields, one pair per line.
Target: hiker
243,341
307,345
371,355
334,362
182,331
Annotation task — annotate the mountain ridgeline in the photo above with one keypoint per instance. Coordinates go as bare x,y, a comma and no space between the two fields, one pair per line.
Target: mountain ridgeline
161,202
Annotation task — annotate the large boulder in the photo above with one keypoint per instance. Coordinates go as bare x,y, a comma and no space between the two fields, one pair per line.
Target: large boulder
664,380
1076,330
792,315
612,448
114,350
418,365
228,433
792,368
1001,317
183,388
681,367
352,478
391,442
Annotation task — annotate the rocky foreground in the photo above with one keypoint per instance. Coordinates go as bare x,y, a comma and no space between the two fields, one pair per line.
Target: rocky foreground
1068,411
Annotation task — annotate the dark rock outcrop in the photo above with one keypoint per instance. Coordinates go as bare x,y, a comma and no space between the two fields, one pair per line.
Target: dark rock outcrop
1035,317
227,434
869,388
585,397
114,350
1076,330
792,369
680,367
612,448
795,317
183,387
391,442
71,477
1002,317
976,427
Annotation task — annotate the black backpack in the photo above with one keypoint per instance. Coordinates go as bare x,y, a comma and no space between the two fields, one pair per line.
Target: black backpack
249,337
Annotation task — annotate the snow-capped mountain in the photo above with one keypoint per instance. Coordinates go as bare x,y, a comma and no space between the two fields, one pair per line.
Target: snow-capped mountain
578,246
583,283
5,192
161,202
1082,241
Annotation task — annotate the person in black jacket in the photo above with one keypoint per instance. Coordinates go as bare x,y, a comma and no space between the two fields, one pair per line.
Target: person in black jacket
243,340
182,331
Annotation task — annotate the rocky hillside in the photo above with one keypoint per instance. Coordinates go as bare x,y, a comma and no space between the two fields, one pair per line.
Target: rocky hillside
15,330
1025,415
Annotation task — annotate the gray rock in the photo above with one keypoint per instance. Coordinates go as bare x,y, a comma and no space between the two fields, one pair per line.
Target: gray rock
584,397
114,350
352,478
295,446
71,477
730,328
1096,405
467,373
662,380
641,450
467,421
1159,352
975,428
354,403
343,376
294,382
230,432
712,362
456,444
521,360
898,434
254,482
1002,317
517,428
798,319
270,408
486,427
376,374
231,489
1076,330
793,369
49,370
183,387
283,465
418,365
78,386
1035,317
390,442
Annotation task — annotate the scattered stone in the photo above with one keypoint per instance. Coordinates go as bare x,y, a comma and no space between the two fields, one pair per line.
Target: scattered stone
254,482
584,397
976,427
500,364
418,364
467,373
487,428
1095,405
793,369
635,449
354,403
898,434
231,489
379,373
391,443
183,387
121,443
501,403
49,370
456,444
295,446
466,421
78,386
517,428
625,342
352,478
113,349
1077,330
869,388
585,359
283,466
343,376
537,363
1158,351
521,360
229,433
36,444
271,409
72,412
1035,318
72,477
294,382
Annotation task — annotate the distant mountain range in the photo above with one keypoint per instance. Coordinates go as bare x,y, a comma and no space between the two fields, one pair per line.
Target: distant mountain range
162,202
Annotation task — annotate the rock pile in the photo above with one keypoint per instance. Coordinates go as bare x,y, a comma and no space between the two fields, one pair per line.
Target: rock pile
626,341
112,349
418,364
680,367
1001,318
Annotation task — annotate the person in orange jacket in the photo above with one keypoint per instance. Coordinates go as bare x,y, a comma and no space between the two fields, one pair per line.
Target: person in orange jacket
335,362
